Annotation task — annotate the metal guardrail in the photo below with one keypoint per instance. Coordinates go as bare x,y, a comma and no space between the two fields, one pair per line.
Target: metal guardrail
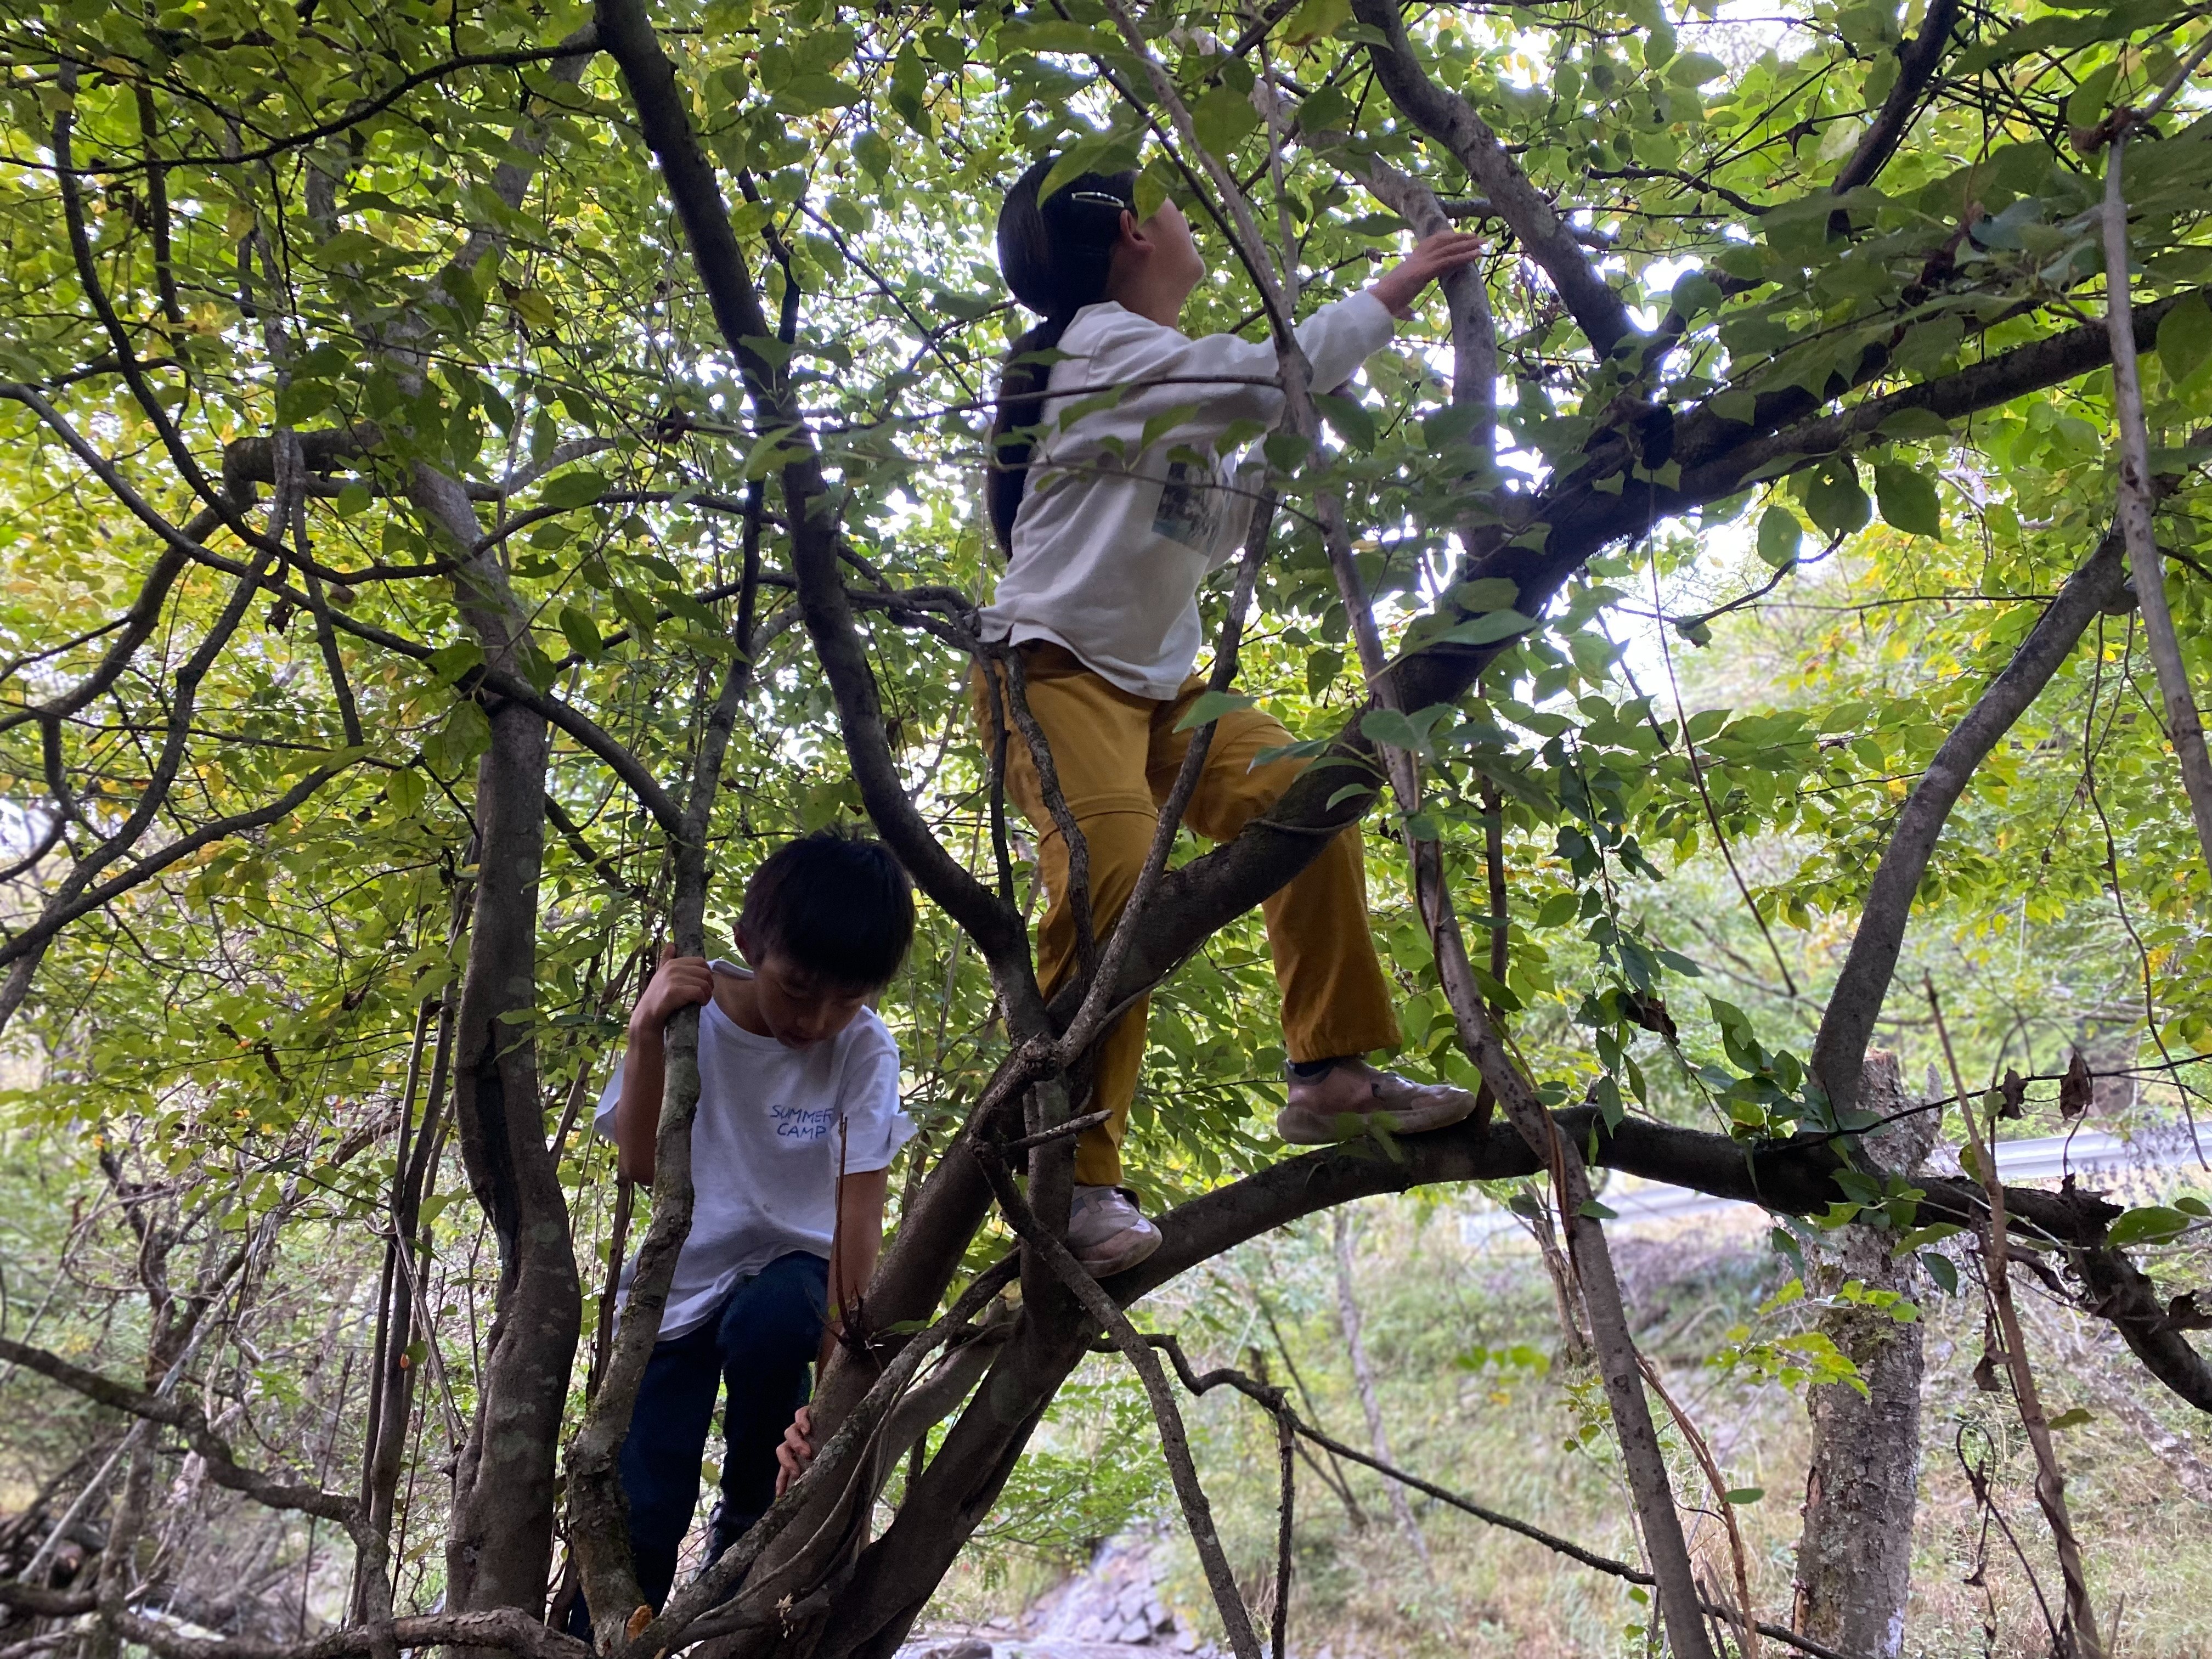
2085,1153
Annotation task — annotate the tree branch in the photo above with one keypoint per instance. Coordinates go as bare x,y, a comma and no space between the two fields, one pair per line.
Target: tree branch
2183,729
1917,61
625,32
1847,1024
187,1418
1448,118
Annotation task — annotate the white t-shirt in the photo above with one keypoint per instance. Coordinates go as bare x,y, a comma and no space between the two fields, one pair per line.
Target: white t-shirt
765,1147
1110,545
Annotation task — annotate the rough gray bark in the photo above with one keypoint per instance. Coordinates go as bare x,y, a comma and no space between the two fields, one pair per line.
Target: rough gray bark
598,1514
1855,1553
499,1545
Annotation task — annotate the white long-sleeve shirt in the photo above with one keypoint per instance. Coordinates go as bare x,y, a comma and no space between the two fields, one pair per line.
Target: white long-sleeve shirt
1111,542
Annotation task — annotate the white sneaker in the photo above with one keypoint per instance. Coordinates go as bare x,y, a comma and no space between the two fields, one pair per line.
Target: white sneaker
1106,1233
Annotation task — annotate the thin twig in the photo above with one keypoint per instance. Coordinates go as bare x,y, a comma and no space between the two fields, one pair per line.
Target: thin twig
2080,1619
1175,1443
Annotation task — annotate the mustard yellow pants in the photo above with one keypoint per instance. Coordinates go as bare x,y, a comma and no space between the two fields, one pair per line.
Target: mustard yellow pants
1117,755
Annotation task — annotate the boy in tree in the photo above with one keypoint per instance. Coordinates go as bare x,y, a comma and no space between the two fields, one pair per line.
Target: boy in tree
799,1121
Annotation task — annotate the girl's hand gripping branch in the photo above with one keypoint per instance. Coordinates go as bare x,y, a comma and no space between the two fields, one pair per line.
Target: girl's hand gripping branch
1432,257
678,983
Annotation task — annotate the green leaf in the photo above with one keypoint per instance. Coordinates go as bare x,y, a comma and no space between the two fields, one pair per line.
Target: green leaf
349,248
573,488
1913,425
874,153
1834,499
1695,69
1158,182
2154,1223
449,662
1317,21
1164,423
1352,420
1490,593
1450,426
1390,728
1559,909
2085,107
1050,34
1327,110
805,94
1745,1494
1908,500
405,789
1321,669
1593,1211
1779,534
1488,630
2074,1419
2184,339
583,634
1941,1269
1222,118
1210,705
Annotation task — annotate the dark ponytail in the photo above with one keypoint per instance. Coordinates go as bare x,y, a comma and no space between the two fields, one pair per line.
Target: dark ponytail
1055,256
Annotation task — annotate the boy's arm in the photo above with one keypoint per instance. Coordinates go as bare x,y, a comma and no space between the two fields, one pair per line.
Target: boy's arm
678,983
859,1240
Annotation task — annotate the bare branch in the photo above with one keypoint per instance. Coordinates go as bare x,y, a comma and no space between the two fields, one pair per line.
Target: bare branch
187,1418
2183,729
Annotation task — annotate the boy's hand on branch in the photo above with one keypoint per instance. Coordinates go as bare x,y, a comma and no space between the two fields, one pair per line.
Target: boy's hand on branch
678,983
796,1451
1432,257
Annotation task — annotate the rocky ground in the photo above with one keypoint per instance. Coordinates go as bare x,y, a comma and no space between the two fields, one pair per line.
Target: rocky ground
1111,1608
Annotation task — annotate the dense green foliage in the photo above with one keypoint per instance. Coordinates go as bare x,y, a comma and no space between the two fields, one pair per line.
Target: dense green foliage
402,233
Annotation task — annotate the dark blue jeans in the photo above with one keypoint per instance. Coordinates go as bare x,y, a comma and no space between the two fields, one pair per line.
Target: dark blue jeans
759,1345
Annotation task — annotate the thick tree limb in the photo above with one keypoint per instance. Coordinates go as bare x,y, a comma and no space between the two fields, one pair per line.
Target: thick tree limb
1203,896
600,1536
625,32
507,1629
1917,63
1717,454
1795,1177
1473,330
1847,1024
2122,1294
1451,121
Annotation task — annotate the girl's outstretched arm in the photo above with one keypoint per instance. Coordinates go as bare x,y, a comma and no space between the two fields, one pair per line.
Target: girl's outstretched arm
1432,257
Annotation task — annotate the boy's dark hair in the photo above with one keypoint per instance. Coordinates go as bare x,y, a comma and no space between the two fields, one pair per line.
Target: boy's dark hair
1055,255
835,903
